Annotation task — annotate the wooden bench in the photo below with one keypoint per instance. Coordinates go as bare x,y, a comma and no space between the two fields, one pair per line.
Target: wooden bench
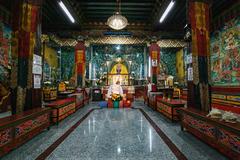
18,129
223,136
62,108
170,108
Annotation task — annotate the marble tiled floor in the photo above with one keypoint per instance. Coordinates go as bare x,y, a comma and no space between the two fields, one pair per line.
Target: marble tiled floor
115,134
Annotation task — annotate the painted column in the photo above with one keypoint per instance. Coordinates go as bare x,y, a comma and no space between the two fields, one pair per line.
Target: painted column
26,42
200,47
155,58
140,71
145,63
91,60
80,63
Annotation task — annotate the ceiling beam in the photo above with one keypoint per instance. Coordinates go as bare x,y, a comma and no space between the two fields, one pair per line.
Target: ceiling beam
77,10
46,17
134,4
60,28
104,8
49,11
59,13
157,11
106,16
102,26
97,12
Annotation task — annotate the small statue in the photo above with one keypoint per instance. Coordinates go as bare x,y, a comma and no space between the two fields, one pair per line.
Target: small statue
119,68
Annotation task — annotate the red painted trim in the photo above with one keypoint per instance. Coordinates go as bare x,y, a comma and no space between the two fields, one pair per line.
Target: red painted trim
209,141
231,90
18,141
61,102
80,46
18,118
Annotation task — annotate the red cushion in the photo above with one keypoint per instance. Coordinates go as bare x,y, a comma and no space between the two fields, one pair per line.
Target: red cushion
110,103
154,88
127,103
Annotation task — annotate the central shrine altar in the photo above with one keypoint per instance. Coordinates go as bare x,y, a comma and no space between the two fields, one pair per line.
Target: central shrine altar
119,72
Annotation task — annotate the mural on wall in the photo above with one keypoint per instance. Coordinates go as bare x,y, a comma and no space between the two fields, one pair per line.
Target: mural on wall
168,61
113,53
188,72
67,63
180,67
88,58
5,53
225,54
5,65
51,71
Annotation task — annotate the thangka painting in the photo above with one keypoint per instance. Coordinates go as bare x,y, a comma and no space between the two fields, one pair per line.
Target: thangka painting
5,52
67,63
225,55
168,61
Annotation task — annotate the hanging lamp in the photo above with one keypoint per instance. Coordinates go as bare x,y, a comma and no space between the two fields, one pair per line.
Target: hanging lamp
117,21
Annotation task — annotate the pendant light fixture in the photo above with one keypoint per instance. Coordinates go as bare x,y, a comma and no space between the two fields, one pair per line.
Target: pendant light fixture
117,21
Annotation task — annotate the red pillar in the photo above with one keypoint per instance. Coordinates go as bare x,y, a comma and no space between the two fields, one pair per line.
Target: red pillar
26,42
80,63
155,59
200,46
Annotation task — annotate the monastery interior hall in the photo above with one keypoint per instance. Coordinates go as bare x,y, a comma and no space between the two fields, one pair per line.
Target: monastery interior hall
120,79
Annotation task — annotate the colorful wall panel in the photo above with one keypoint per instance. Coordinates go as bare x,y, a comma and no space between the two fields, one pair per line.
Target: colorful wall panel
108,52
180,66
5,66
225,54
51,57
5,53
51,65
168,60
67,63
225,69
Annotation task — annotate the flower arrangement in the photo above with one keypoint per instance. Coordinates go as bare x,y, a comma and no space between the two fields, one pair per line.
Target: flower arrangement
116,97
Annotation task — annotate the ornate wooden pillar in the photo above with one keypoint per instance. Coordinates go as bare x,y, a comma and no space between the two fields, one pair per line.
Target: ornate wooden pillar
155,59
200,48
80,63
26,42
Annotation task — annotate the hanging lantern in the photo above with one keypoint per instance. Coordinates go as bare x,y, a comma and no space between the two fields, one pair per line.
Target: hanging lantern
117,21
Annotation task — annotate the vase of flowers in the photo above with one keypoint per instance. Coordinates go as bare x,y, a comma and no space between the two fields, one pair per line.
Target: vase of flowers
116,98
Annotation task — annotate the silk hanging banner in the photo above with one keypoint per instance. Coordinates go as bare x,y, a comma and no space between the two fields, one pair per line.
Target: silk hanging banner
79,57
155,59
79,63
199,19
